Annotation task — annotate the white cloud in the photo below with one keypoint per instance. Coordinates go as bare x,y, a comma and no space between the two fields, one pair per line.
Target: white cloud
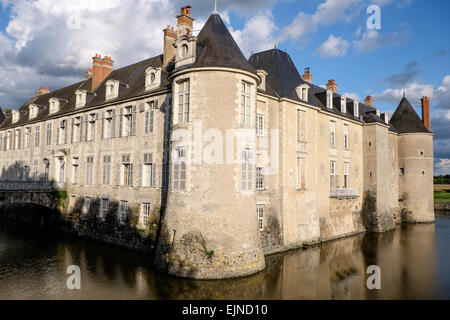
327,13
443,94
414,92
372,40
353,96
257,34
442,167
333,47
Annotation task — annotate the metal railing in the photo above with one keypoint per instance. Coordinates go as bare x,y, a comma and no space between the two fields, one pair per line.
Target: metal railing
26,185
345,193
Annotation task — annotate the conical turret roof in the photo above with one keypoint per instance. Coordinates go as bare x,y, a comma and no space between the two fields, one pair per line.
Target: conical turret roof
406,120
217,48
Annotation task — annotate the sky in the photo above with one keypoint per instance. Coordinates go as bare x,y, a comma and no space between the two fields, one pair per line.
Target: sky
51,43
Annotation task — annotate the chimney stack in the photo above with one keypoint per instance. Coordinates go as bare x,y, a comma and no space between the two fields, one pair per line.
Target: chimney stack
88,74
185,23
170,36
42,91
332,85
102,67
426,112
369,101
307,76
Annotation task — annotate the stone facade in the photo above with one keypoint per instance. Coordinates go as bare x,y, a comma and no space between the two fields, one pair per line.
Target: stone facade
214,212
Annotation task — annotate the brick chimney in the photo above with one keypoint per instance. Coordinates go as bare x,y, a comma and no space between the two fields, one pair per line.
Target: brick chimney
170,36
426,112
42,91
185,22
88,74
102,67
307,76
369,101
332,85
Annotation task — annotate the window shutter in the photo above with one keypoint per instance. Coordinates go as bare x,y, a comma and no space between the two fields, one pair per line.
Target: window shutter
131,175
146,122
113,124
103,124
133,121
140,175
121,123
81,130
154,175
152,120
118,175
86,128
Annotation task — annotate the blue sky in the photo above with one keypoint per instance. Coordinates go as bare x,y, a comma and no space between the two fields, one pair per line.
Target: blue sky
411,49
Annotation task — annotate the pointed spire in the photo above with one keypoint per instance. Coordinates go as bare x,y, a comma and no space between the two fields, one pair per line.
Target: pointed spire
215,7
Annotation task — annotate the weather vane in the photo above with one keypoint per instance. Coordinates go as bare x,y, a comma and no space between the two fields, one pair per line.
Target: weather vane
215,7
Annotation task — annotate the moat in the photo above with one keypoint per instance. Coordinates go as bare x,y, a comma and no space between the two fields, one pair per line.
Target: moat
414,261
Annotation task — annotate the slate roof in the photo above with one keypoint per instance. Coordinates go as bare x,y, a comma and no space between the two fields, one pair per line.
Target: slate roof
217,48
406,120
283,78
132,76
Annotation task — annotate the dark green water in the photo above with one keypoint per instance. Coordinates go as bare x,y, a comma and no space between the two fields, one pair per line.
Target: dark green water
414,262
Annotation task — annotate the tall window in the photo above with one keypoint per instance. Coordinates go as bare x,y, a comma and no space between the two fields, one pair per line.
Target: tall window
332,134
35,170
90,127
128,123
260,179
27,137
247,171
183,101
104,208
346,137
356,109
86,205
333,176
106,170
76,129
37,136
260,212
147,175
301,125
346,175
123,211
49,134
127,170
301,173
90,171
17,139
46,170
8,141
62,132
180,168
109,125
149,121
246,103
145,214
75,170
260,125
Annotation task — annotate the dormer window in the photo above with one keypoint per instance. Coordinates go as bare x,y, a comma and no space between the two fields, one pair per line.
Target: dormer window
356,109
262,74
152,78
33,111
330,99
186,50
80,98
15,116
112,89
344,104
54,105
302,92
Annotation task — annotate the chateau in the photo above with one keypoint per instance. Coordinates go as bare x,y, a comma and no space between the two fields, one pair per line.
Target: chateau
233,158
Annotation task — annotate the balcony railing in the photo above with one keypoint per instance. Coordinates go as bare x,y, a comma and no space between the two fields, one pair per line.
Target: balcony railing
26,185
349,193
